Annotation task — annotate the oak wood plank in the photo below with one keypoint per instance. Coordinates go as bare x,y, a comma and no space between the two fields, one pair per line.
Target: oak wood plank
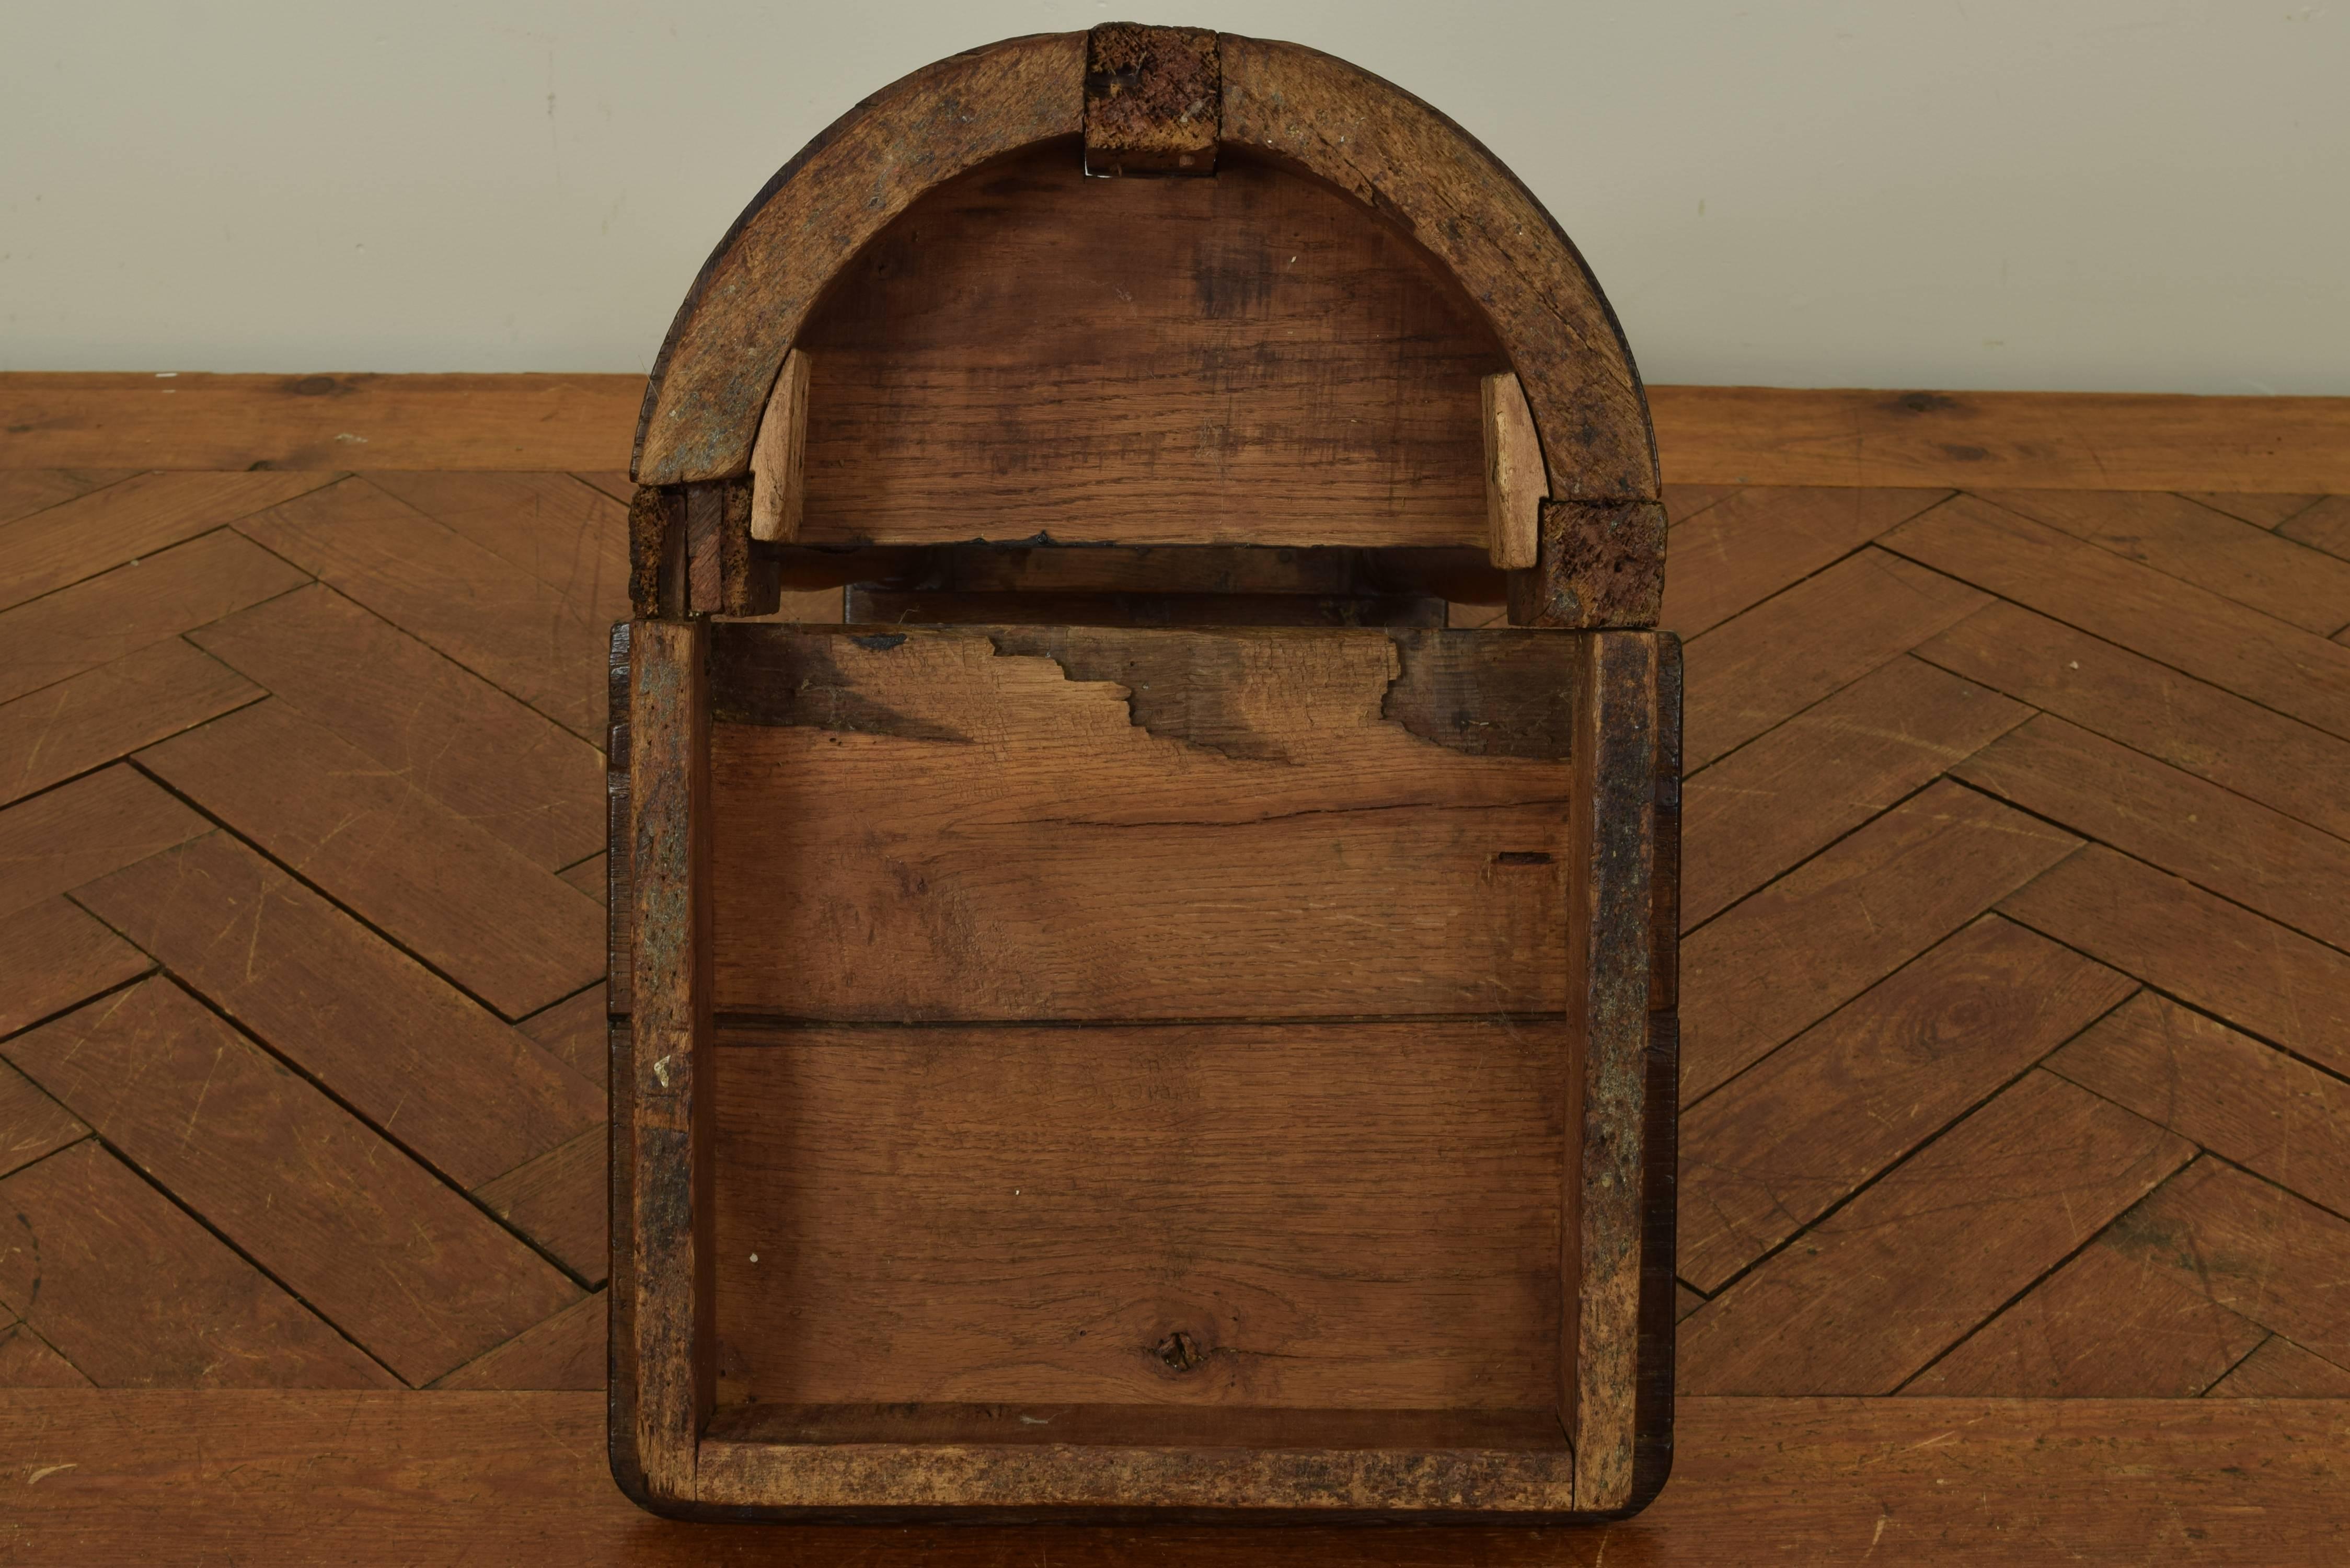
1516,486
2217,839
1886,1284
2227,960
2255,1106
567,1351
79,832
403,1265
506,625
2260,510
2324,526
1819,936
590,876
32,1126
574,1032
2281,1369
103,714
1788,1140
136,1294
1035,1213
424,1063
558,528
2109,1325
27,1361
494,761
475,910
119,523
52,957
100,620
1825,632
2152,707
558,1201
1750,543
1684,501
2175,537
2185,626
1799,788
24,490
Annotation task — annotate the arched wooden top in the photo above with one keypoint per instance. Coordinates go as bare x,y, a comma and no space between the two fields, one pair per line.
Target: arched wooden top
1411,165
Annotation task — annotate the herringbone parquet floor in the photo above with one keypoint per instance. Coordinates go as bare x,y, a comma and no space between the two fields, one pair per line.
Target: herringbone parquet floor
2016,977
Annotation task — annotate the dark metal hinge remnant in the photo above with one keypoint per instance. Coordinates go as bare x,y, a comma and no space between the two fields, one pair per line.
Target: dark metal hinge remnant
1154,100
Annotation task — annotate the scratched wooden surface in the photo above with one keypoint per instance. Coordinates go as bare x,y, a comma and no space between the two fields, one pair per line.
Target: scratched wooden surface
2016,987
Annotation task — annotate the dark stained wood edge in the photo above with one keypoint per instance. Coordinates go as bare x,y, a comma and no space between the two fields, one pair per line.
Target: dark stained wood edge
1652,1412
1598,563
619,900
705,541
1154,100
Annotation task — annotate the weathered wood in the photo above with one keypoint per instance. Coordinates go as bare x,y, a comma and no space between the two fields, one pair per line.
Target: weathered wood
1745,546
881,607
1153,100
705,546
558,1201
138,517
1516,486
53,956
1598,564
778,499
32,1126
2281,1369
79,832
92,719
567,1351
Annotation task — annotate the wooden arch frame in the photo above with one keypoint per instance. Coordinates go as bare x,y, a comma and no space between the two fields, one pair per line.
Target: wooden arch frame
1600,560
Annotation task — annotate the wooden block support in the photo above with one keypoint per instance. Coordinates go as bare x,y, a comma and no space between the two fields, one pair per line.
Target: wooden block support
1516,486
1154,100
1599,563
775,457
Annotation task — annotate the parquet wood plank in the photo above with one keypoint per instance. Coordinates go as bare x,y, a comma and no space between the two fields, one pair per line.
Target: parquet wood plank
2260,510
2237,1098
494,760
2280,1369
139,516
135,1295
53,956
1790,954
613,481
2256,974
590,876
79,832
103,714
106,618
1827,631
2106,1326
2152,707
403,1265
1684,501
1747,545
27,1361
577,1033
1798,787
1880,1287
490,615
2217,839
2251,1247
24,490
567,1351
469,1095
505,929
2324,526
559,1201
2188,628
32,1126
1685,1301
2175,537
563,531
1782,1143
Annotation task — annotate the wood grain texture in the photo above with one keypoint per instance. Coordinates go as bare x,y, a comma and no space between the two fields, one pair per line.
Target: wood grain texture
778,458
2188,628
559,529
2281,1369
1115,824
1516,486
53,957
1748,545
2211,954
1035,1214
2210,732
459,899
2261,511
1891,1280
404,1266
1152,98
104,618
1819,936
2257,1106
27,1361
2324,526
1823,634
136,1294
558,1201
24,490
425,1065
1784,1142
98,717
32,1126
1799,788
139,516
567,1351
495,763
79,832
2217,839
573,1031
506,625
2070,441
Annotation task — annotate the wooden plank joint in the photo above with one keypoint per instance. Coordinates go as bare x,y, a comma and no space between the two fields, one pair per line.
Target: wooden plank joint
1154,100
1515,485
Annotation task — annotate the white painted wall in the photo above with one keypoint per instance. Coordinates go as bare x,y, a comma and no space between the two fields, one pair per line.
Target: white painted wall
2097,194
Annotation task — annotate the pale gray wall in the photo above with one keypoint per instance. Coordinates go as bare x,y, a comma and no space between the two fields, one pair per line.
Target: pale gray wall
2116,194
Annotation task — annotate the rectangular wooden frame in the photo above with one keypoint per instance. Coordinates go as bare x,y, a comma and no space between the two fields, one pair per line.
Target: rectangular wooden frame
1616,1239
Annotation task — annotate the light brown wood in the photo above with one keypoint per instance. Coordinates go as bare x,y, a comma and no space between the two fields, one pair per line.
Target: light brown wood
94,718
778,498
2252,1247
2281,1369
1750,543
567,1351
558,1201
1516,486
140,517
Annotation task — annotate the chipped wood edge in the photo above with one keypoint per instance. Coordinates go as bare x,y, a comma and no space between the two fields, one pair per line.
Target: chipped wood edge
668,1092
1516,486
777,455
1154,100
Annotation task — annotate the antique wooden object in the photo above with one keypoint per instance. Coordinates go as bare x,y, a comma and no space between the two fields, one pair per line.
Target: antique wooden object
1144,1016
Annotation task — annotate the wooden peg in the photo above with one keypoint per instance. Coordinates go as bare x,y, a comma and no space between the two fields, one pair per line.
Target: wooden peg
1515,487
775,456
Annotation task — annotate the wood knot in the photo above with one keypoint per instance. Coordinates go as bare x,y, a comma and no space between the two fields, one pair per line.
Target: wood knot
1178,1352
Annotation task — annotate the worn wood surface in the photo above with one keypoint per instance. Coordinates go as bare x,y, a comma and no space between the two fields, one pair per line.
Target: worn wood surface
1516,486
1153,100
